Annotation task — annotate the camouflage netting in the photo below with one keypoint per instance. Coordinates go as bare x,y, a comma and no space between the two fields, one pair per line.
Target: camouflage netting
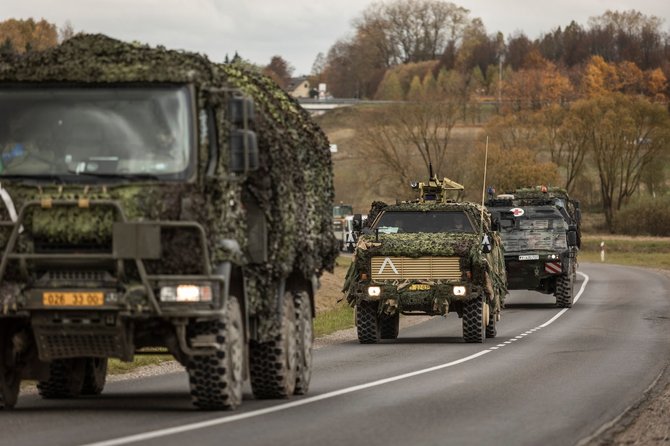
294,185
465,245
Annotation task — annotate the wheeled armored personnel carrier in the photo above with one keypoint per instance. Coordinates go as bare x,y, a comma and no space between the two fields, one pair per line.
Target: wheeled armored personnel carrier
431,256
540,232
155,202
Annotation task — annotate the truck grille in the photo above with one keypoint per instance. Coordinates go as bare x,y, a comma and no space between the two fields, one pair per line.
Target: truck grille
385,268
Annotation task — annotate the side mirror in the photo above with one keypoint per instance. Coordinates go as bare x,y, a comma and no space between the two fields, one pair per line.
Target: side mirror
358,222
495,225
243,151
241,110
487,247
572,236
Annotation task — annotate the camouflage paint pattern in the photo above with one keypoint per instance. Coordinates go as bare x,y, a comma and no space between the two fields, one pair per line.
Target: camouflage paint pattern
294,185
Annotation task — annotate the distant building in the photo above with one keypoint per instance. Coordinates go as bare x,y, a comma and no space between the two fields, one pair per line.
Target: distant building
298,87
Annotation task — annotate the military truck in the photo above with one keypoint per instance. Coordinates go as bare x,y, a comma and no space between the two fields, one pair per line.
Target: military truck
430,256
540,232
343,215
156,202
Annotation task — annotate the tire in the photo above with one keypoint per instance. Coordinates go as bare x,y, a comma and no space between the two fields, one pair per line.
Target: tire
474,330
389,326
10,386
66,379
95,376
564,290
491,329
367,323
216,380
305,339
274,363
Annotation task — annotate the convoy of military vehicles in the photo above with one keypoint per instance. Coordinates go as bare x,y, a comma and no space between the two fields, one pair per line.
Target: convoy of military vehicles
155,202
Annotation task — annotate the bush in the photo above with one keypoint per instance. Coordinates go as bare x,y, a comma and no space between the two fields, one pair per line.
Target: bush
646,216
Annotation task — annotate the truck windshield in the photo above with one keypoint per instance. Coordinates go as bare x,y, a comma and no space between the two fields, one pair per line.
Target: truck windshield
342,210
392,222
544,230
101,131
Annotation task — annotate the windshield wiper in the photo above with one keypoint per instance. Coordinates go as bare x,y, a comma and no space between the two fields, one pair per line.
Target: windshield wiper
118,176
39,177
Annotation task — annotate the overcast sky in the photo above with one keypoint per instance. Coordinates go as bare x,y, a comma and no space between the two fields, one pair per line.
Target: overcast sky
294,29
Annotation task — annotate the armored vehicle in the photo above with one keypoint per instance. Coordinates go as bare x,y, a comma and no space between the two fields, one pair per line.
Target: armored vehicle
540,232
431,256
153,202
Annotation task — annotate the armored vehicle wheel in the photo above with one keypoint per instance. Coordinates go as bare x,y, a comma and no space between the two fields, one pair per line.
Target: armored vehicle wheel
273,364
66,379
389,326
474,329
216,380
10,385
304,338
564,290
95,376
491,329
367,323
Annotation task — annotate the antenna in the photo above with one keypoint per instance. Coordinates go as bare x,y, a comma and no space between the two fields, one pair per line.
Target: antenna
430,171
486,159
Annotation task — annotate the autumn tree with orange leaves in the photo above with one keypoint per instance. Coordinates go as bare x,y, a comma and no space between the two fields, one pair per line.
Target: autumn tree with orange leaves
27,35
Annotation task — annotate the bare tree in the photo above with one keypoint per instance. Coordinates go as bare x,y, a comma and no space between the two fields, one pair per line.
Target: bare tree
420,129
414,30
65,32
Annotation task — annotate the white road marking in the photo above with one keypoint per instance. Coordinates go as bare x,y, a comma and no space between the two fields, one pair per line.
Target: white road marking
324,396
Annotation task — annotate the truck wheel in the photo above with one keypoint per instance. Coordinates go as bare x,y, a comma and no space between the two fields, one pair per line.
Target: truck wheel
491,329
367,323
66,379
474,330
95,376
304,338
216,380
564,290
389,326
10,387
273,364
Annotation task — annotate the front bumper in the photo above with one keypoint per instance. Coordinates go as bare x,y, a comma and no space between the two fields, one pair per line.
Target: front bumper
425,297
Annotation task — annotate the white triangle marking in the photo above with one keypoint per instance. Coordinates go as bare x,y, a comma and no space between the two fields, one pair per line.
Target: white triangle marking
387,261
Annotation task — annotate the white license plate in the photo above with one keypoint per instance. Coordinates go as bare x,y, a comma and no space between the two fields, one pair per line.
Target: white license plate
530,257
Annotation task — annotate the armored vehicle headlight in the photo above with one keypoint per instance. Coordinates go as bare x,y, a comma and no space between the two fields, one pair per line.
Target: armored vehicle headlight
459,290
186,293
374,291
553,256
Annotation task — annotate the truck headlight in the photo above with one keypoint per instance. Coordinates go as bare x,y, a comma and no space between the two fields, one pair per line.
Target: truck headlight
459,290
186,293
374,291
552,256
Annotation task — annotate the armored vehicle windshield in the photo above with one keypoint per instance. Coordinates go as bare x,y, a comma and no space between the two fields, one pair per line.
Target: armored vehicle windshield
392,222
129,132
535,229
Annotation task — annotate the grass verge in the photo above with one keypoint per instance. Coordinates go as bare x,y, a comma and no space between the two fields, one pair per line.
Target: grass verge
117,367
338,318
650,252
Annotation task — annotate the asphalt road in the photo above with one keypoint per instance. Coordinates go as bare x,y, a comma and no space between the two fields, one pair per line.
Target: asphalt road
551,377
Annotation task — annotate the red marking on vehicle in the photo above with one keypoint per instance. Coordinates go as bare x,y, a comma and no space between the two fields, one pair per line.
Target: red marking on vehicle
553,267
517,212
